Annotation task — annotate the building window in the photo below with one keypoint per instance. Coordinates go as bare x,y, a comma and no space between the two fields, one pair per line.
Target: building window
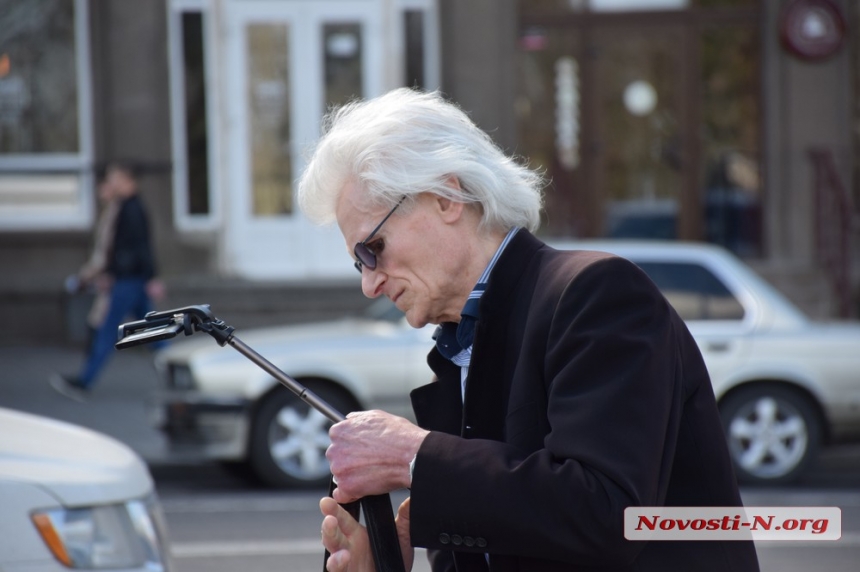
38,83
196,144
343,63
418,43
667,142
46,173
195,204
731,138
269,110
413,26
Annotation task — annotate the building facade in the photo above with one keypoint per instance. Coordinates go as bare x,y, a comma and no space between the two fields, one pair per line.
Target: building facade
729,121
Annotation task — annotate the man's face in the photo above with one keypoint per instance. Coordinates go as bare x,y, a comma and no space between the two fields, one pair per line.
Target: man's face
106,192
120,183
412,267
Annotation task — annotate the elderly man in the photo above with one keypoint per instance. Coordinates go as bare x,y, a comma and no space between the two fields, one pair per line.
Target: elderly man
566,389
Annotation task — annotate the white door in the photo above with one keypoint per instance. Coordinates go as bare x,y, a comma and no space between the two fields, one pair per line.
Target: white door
286,61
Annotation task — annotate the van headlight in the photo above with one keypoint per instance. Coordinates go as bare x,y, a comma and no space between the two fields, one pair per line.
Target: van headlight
127,535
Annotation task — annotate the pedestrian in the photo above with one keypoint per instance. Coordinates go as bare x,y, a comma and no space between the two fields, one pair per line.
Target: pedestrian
566,387
123,269
92,275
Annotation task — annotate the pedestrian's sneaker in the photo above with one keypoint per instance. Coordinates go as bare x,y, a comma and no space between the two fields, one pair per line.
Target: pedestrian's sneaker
69,387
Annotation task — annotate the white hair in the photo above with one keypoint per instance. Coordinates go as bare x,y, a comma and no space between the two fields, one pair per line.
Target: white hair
406,142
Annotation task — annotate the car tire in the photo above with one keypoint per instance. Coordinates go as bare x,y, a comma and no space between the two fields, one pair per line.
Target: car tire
289,439
773,433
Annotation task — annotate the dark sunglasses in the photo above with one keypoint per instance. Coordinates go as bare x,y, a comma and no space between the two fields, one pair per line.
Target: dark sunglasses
364,254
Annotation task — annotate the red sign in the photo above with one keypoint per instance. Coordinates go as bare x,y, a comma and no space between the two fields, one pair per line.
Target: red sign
812,29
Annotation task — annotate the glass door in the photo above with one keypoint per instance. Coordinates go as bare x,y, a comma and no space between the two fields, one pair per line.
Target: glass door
551,123
646,125
287,63
639,131
601,113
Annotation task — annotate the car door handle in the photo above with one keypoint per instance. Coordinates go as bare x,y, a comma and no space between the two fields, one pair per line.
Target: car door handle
718,347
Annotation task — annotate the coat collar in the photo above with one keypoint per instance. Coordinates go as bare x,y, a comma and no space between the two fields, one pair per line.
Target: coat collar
487,388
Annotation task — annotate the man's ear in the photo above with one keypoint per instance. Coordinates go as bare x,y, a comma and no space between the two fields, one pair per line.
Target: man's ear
450,211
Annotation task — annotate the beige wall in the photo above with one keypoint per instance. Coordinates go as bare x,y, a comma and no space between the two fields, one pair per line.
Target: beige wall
479,62
806,104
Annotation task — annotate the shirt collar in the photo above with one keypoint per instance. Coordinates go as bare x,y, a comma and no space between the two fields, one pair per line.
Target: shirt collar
454,341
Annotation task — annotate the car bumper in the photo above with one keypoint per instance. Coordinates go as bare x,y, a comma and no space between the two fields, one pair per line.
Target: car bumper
203,428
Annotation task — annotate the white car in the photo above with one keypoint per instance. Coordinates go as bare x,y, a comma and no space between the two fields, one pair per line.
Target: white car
71,498
785,385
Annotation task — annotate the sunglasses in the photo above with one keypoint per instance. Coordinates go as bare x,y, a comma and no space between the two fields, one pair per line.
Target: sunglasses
366,254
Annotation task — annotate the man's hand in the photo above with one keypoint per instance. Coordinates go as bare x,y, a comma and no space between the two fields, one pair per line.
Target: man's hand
348,543
345,539
370,453
156,290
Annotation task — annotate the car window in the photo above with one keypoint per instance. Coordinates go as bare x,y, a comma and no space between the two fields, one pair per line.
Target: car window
694,291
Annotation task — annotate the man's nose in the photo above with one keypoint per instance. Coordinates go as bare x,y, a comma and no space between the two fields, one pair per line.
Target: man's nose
371,282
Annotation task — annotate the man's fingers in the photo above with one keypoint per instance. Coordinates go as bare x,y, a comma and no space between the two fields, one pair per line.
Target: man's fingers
332,538
328,506
344,538
402,524
345,522
402,518
342,498
338,561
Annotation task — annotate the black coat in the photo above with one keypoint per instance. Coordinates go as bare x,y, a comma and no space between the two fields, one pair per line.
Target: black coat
586,394
131,254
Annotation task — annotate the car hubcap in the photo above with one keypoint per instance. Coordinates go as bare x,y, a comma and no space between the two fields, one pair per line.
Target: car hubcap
768,437
298,442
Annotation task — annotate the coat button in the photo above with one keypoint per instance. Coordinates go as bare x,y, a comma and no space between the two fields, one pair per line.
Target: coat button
456,539
481,542
469,541
444,538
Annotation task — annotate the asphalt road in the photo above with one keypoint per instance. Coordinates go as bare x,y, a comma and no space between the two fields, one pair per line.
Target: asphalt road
221,521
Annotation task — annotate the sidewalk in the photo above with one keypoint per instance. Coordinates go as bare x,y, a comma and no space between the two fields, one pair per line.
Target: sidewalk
119,405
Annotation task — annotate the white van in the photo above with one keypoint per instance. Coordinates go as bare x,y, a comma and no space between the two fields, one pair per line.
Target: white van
74,498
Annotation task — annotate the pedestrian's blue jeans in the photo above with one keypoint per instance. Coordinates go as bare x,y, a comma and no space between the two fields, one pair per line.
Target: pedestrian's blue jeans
127,298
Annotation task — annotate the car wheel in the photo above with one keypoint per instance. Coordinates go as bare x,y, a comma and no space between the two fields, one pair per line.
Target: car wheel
773,433
289,439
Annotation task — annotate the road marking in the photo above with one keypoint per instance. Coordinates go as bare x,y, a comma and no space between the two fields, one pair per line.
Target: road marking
241,504
246,548
292,502
310,546
305,547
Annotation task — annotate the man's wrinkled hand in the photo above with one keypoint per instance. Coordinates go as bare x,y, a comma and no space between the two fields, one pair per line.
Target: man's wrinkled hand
370,453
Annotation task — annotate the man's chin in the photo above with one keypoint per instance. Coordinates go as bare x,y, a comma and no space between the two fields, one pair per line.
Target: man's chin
416,322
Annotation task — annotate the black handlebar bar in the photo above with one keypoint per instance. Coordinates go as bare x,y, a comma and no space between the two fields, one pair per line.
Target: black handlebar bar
156,326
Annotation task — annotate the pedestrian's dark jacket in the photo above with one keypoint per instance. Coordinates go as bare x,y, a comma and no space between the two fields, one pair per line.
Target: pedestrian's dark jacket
586,394
131,255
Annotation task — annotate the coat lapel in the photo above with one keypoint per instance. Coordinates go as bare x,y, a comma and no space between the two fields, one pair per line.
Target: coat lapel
438,406
488,386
